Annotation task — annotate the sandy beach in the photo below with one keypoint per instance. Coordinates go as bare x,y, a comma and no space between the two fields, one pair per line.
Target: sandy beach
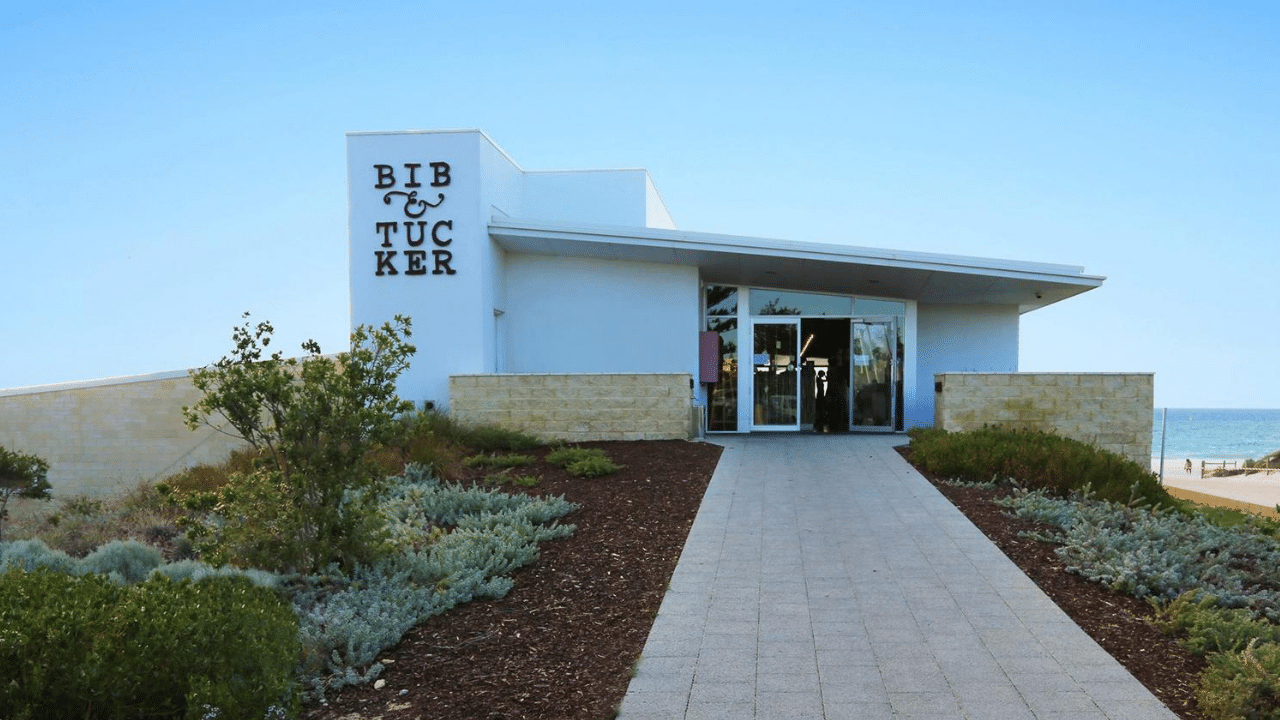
1259,490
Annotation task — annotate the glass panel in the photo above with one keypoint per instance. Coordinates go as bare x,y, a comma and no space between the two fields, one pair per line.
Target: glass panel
780,302
775,373
722,300
873,392
864,307
722,397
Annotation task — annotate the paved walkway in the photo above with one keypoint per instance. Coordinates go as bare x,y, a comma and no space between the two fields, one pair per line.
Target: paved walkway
825,578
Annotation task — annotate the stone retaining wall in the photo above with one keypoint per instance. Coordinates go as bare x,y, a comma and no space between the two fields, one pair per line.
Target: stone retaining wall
1112,411
578,407
103,436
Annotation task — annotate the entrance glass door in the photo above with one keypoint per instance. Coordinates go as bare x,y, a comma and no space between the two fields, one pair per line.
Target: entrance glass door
874,350
775,376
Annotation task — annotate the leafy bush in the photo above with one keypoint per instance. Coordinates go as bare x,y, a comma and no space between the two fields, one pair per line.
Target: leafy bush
499,461
490,438
1211,629
319,420
208,477
592,467
583,462
84,646
253,522
22,475
1242,685
1036,460
563,456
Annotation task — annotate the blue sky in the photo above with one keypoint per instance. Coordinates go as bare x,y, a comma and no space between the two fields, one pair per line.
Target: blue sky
168,166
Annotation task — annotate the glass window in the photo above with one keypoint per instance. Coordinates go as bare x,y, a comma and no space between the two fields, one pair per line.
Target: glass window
864,307
722,300
781,302
722,397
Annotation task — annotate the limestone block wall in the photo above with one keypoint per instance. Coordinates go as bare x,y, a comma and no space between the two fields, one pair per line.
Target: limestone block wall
1112,411
578,407
101,437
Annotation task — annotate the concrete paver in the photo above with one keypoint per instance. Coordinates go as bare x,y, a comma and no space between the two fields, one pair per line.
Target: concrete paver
825,578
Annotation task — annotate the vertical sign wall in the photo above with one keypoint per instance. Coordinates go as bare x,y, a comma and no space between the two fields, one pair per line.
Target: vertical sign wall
419,247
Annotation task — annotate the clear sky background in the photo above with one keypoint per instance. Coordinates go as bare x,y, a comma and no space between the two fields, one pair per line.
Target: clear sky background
165,167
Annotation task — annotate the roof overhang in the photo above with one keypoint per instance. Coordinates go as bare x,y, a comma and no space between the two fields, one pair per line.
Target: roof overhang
810,267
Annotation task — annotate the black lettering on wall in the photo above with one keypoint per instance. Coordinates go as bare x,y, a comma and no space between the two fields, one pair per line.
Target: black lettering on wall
417,260
413,174
443,258
402,189
384,262
440,174
435,232
386,228
422,232
386,177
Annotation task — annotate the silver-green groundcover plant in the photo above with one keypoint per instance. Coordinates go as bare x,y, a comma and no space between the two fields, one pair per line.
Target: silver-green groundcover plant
451,544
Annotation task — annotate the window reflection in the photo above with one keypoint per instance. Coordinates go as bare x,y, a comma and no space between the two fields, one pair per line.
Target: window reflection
781,302
722,396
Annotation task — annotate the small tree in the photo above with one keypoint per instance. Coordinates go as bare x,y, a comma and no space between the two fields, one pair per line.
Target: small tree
315,420
22,475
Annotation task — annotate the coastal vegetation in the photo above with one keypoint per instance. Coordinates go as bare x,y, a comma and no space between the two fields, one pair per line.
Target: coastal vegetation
1212,578
350,510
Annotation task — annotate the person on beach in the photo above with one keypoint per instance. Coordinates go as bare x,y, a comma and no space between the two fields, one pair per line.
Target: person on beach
1187,467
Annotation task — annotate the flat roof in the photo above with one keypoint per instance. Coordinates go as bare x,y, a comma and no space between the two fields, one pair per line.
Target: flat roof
807,266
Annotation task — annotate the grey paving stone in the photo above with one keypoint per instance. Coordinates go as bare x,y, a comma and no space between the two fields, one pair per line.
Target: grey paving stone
824,578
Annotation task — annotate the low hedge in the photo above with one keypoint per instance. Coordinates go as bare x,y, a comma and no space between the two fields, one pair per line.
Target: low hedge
1036,460
88,646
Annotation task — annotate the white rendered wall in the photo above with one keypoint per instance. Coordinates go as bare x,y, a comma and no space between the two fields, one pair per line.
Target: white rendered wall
597,197
445,274
583,315
656,215
959,338
438,264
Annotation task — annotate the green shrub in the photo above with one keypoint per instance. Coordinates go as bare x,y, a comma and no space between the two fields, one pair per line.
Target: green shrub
1036,460
254,514
583,462
319,420
569,454
84,646
1242,685
499,461
208,477
22,475
592,467
489,438
1208,628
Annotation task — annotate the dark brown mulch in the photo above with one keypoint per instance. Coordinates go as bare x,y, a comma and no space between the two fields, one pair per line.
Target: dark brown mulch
563,643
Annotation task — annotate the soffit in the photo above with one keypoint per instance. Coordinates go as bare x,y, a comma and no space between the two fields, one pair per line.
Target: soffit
812,267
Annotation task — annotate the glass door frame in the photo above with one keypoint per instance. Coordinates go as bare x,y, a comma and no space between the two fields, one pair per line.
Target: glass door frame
892,379
794,322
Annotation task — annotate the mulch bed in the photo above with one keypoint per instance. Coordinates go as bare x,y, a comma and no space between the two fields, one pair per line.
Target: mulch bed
562,645
1117,622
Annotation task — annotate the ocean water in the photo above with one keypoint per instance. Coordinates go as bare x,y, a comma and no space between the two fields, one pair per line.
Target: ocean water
1217,434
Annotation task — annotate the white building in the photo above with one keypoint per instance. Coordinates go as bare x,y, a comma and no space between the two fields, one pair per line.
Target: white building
508,272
